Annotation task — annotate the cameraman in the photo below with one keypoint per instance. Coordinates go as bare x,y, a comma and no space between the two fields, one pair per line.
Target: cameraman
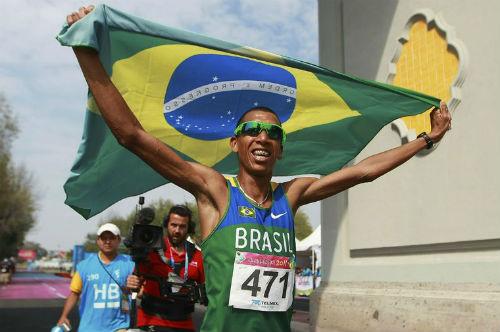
156,312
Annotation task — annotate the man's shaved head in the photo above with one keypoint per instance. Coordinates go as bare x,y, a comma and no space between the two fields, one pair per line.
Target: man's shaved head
257,108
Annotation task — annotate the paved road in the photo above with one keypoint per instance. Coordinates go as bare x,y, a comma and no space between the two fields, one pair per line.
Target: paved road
33,302
33,285
32,315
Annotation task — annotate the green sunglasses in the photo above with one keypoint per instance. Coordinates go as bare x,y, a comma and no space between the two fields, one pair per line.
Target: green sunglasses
254,128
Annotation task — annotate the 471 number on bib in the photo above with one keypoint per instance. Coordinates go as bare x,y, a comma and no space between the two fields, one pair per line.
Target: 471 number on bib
261,282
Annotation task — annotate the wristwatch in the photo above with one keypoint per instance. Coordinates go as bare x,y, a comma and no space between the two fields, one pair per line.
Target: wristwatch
427,139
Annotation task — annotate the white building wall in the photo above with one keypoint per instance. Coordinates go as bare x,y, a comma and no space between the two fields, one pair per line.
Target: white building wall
418,249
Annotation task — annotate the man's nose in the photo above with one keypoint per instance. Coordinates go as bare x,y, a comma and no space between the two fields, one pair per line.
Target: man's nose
263,136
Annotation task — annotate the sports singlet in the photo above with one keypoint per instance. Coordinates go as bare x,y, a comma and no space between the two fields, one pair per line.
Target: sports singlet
249,261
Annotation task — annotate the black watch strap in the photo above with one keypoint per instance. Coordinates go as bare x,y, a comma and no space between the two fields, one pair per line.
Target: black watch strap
427,139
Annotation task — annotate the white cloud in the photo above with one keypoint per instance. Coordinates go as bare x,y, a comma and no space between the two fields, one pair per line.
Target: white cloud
47,92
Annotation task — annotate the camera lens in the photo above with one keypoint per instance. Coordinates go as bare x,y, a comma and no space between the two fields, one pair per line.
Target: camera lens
147,237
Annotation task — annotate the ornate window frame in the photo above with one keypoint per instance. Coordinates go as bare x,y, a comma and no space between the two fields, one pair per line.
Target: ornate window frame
456,44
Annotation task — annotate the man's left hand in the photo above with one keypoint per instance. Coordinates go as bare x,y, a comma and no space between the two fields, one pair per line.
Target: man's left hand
440,122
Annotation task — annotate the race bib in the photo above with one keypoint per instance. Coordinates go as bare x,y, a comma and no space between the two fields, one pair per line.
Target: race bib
262,282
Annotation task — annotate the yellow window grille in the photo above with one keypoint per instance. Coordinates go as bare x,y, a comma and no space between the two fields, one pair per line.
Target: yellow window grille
427,64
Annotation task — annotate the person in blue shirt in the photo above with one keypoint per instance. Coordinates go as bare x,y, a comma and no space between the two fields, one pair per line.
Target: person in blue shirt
307,272
99,283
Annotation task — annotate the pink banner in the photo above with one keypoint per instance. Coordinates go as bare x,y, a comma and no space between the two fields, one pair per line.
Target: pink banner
248,258
27,254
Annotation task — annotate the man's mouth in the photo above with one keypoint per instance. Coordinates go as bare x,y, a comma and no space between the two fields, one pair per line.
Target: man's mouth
261,154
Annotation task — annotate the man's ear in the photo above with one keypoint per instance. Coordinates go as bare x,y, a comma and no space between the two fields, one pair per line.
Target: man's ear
233,143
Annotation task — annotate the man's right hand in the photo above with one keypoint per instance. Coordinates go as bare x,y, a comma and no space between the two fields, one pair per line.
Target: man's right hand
134,282
75,16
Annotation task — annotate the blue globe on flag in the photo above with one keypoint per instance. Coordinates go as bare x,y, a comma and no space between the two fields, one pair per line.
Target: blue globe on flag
207,94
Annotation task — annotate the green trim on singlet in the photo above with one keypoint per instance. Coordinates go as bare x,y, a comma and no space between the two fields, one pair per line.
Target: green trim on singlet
288,203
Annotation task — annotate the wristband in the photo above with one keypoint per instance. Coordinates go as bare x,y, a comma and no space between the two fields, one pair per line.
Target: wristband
427,139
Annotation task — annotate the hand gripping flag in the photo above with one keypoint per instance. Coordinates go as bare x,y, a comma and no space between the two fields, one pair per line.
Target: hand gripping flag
189,91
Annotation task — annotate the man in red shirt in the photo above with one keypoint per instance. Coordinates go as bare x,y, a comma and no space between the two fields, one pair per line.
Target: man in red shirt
166,313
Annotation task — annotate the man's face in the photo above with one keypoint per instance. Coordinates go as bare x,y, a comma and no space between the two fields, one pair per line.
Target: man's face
177,229
108,242
257,154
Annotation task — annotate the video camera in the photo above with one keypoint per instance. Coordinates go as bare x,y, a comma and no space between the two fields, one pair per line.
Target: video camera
187,292
143,237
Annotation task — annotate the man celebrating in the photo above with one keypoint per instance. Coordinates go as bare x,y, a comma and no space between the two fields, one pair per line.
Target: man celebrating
180,262
246,222
99,282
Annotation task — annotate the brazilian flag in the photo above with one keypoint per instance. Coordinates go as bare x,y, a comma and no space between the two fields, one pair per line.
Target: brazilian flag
190,90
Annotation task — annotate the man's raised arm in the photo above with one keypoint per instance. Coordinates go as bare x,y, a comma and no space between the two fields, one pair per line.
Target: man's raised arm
206,184
306,190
